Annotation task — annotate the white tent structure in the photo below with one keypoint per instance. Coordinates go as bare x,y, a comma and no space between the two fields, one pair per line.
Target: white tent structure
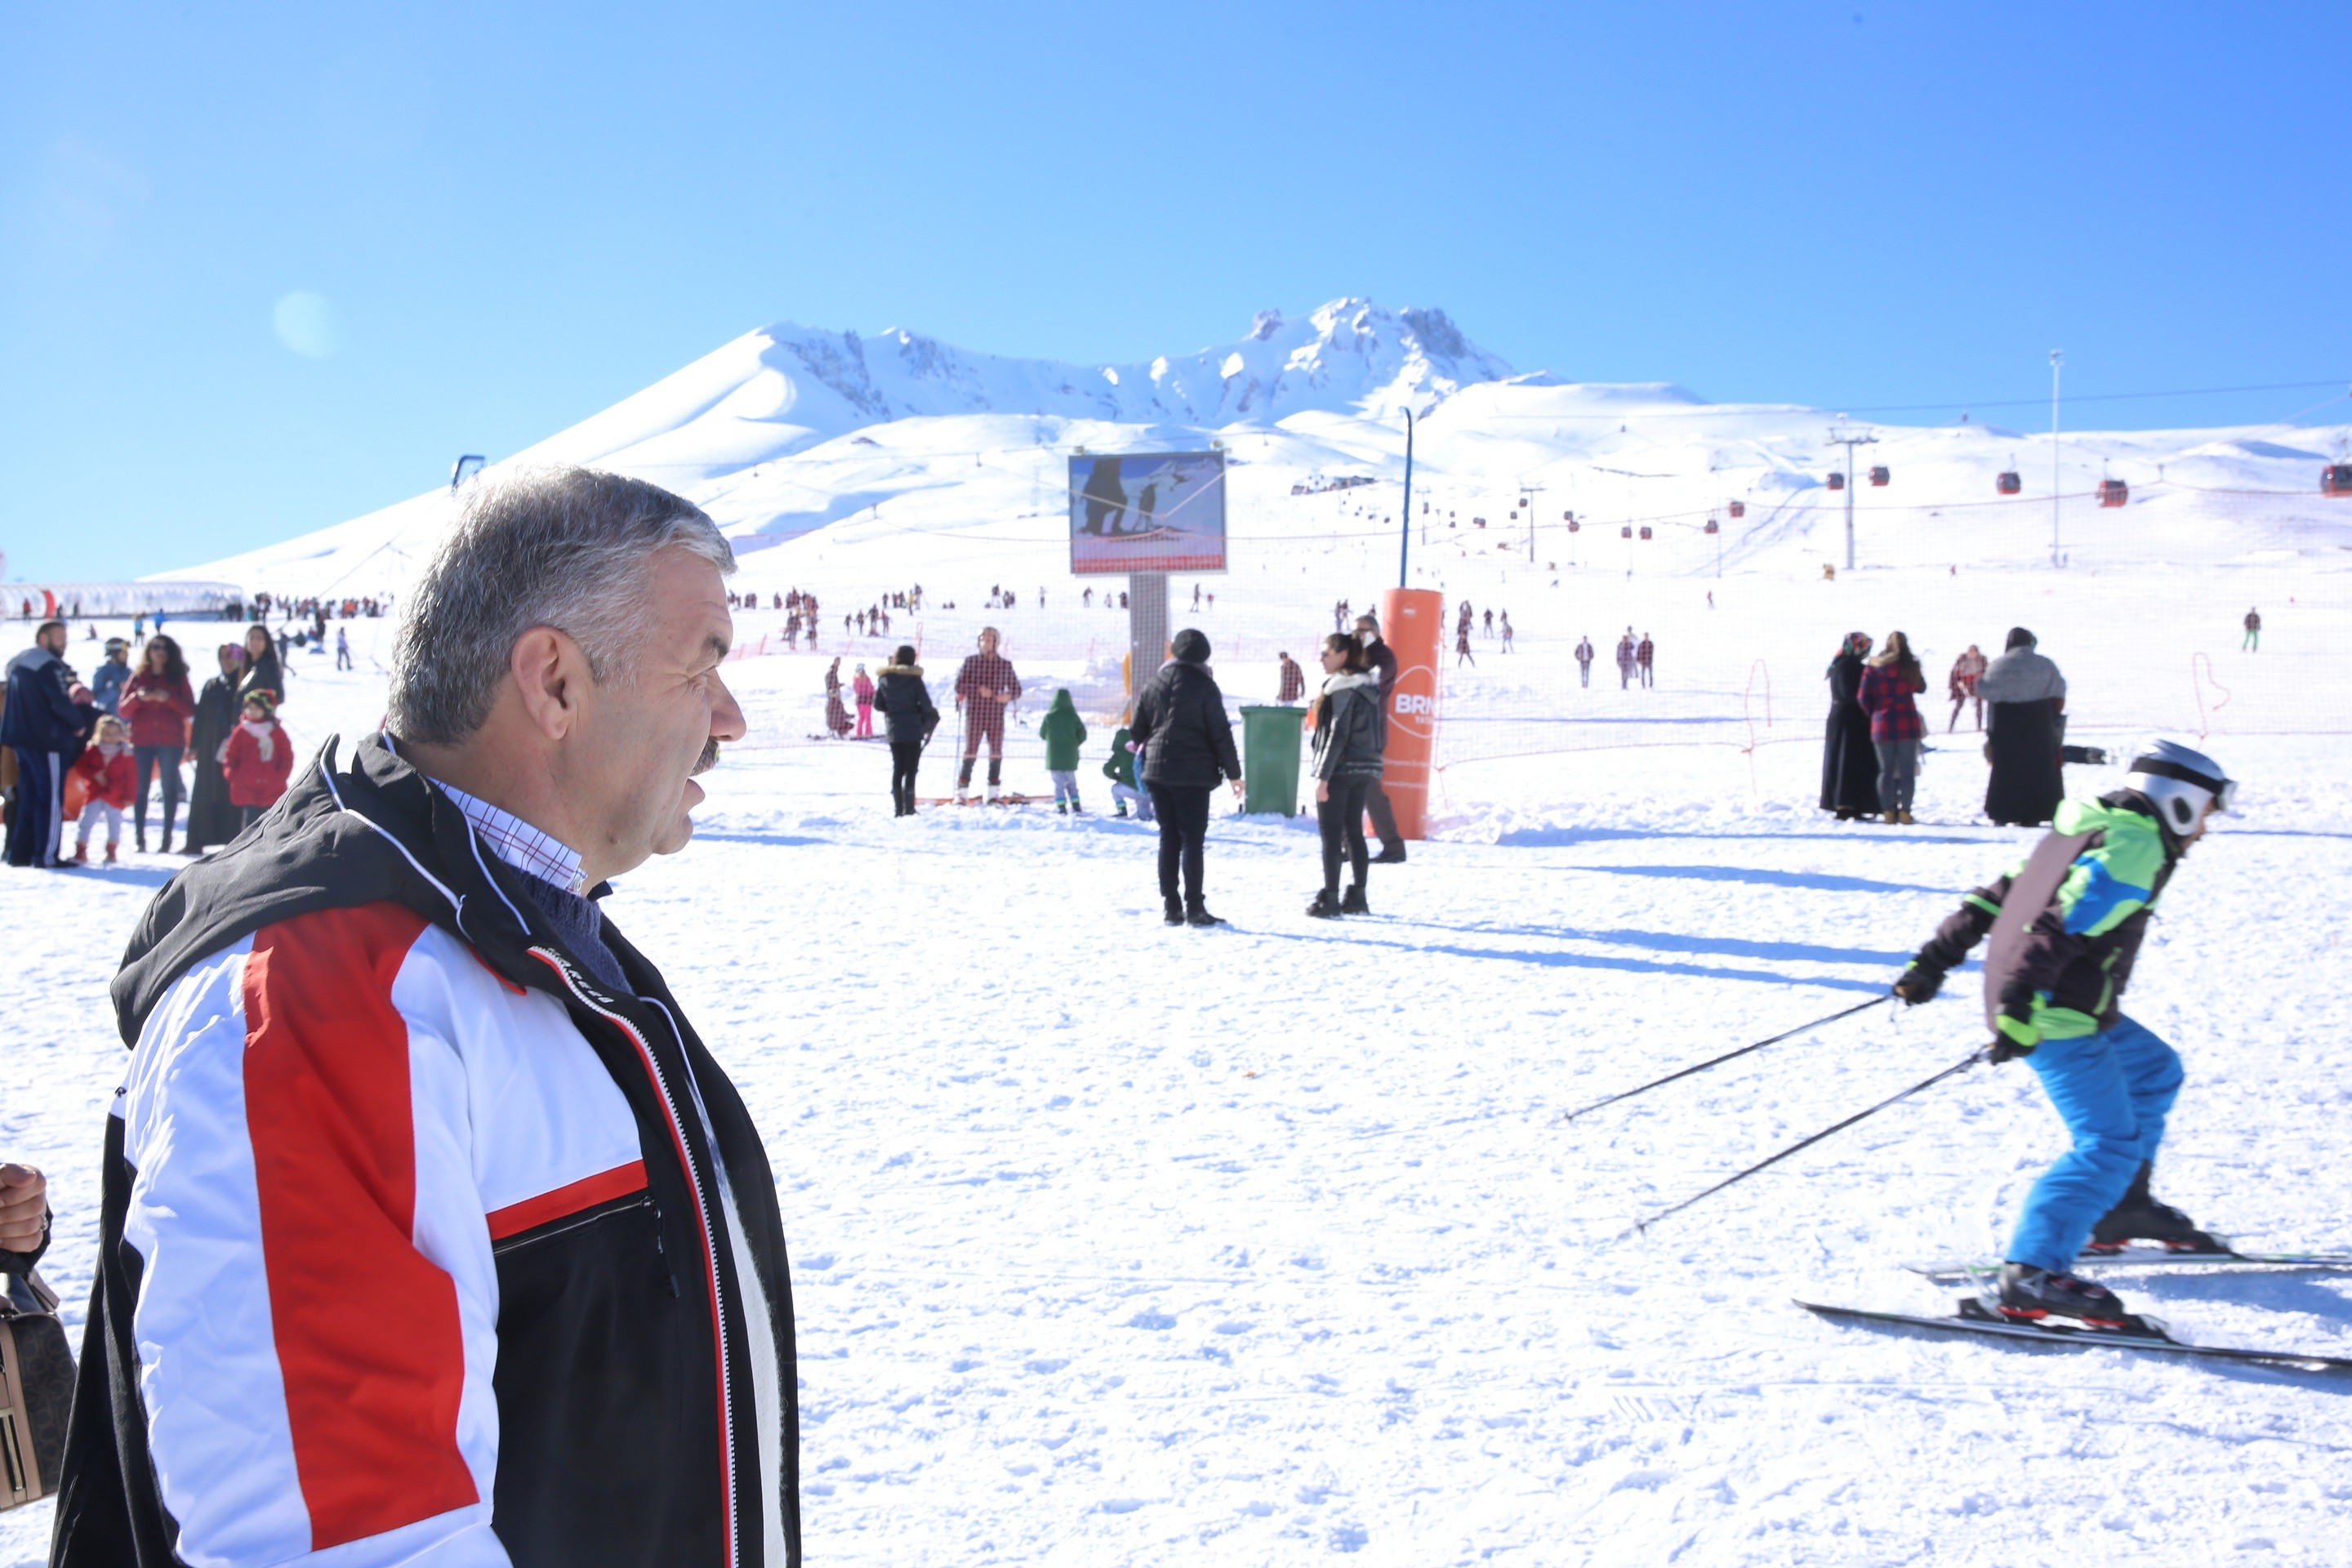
44,601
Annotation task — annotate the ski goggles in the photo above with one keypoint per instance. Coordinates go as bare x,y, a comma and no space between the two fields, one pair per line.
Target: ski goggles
2224,791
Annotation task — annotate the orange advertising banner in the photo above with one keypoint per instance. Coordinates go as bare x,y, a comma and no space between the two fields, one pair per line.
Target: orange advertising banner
1412,623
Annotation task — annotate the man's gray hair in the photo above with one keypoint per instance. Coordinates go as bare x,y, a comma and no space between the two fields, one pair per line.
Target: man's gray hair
566,548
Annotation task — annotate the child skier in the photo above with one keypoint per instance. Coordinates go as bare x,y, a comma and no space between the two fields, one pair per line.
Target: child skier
1064,732
2054,978
108,782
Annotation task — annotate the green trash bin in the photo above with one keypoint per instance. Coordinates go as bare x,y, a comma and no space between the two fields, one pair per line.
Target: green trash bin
1270,759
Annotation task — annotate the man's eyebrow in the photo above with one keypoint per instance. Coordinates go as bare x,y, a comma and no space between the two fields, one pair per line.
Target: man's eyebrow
718,647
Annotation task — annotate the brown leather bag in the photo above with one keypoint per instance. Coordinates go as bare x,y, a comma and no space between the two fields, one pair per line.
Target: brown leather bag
36,1381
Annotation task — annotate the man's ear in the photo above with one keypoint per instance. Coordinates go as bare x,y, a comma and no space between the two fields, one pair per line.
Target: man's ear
550,676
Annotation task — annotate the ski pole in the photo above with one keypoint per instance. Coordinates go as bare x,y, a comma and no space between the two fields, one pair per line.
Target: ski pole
1718,1061
1961,1066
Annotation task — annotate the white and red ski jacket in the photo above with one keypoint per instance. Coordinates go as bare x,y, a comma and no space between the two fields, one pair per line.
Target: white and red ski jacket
420,1245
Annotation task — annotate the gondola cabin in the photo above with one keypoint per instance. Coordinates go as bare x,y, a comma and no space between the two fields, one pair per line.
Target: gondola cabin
1837,481
2010,484
1625,531
2114,492
1881,474
1645,530
1713,527
1573,526
1739,509
2335,479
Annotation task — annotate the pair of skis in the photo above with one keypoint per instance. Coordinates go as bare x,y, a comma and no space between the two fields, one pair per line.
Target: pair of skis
1973,1317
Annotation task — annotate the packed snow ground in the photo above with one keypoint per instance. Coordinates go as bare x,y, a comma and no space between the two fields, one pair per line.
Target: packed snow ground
1114,1244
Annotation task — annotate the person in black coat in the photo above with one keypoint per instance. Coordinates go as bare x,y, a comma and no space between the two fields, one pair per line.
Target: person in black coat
1188,745
212,820
47,720
1849,762
2025,698
909,717
1349,741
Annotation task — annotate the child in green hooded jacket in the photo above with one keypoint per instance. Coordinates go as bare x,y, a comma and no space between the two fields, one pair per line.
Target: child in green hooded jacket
1064,732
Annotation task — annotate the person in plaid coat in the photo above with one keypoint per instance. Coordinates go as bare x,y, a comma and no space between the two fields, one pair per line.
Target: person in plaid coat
1888,684
984,687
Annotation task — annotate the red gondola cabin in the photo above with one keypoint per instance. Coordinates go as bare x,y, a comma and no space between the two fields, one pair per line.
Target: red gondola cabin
1645,530
1625,531
1712,526
2114,492
2335,479
2010,484
1837,481
1881,474
1739,509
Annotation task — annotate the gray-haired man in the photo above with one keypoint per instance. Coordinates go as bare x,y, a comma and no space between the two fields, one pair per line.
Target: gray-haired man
432,1233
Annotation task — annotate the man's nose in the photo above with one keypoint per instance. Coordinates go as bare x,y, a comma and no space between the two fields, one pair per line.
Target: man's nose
727,721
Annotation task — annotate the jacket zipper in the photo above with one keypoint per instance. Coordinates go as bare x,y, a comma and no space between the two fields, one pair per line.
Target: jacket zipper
702,1218
511,1243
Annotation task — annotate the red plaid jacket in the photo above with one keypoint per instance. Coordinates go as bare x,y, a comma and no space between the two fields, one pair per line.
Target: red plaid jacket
1885,696
984,675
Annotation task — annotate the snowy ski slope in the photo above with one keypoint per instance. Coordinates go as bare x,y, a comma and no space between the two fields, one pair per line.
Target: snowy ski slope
1114,1244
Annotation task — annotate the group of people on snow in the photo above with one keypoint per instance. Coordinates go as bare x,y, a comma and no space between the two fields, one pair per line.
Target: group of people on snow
89,754
1871,751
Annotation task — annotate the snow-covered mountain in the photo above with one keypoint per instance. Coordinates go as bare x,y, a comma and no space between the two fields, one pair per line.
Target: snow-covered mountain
856,447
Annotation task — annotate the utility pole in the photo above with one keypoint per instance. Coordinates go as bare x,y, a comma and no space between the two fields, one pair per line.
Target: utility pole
1404,540
1528,493
1843,437
2056,359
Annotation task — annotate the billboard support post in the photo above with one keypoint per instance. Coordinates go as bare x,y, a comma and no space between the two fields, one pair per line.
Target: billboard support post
1404,542
1413,624
1146,627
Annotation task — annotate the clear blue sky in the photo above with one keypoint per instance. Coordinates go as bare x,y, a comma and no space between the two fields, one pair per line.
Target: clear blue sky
515,215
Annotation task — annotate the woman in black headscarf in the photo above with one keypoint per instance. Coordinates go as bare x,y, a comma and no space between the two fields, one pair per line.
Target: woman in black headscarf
210,819
2024,695
1849,762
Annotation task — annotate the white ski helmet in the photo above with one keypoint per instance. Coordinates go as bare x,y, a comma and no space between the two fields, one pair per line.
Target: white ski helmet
2179,781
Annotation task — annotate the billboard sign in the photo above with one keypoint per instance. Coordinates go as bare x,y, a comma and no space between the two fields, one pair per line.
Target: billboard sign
1147,511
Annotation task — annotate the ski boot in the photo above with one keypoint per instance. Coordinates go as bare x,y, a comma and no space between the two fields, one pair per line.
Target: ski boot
1324,907
1353,903
2139,1216
2033,1296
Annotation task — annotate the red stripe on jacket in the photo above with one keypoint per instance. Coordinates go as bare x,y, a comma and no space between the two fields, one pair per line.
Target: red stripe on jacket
570,1198
369,1346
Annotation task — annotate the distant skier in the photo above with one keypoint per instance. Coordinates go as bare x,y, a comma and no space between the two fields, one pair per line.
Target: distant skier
1196,597
343,649
1584,661
2254,642
2055,998
1490,623
1645,659
1625,660
984,688
1507,631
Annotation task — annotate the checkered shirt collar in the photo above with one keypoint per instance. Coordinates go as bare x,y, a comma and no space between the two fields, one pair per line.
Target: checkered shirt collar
518,843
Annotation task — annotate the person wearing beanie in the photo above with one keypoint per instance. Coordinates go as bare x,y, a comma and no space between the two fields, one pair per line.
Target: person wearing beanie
1187,746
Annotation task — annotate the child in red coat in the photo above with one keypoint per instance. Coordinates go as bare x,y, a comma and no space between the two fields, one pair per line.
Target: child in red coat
258,762
106,782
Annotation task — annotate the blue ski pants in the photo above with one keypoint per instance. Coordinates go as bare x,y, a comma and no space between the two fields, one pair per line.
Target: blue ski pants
2112,1090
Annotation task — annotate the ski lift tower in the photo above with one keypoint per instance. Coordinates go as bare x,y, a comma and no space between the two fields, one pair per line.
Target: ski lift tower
1843,436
